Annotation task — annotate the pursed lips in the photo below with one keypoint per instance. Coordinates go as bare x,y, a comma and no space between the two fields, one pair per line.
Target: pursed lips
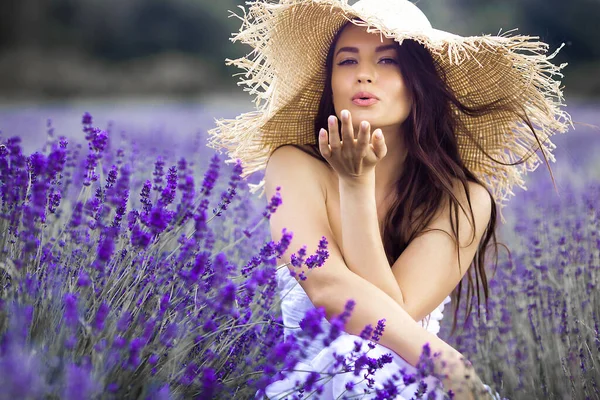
364,99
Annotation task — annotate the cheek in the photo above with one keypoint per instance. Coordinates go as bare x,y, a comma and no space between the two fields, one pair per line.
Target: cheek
402,93
337,83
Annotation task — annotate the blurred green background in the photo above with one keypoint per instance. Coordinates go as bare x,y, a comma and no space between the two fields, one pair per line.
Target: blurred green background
64,49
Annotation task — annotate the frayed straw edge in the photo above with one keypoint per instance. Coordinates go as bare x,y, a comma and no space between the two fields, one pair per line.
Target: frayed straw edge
260,82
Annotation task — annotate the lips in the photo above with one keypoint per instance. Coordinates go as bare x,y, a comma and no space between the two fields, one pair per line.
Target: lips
364,99
365,102
364,95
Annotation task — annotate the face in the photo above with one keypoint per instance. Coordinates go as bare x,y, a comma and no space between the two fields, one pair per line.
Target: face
362,62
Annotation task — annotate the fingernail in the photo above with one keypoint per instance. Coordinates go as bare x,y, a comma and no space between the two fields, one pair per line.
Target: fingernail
344,113
364,124
331,119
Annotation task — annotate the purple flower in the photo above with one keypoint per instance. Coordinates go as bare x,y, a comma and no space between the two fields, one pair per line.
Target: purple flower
163,393
202,260
366,332
311,323
189,374
100,346
145,196
425,366
111,178
209,382
54,201
209,325
101,316
187,198
409,379
297,259
79,383
21,374
99,140
119,194
227,295
119,342
338,323
284,243
86,119
90,169
168,194
149,330
378,330
37,165
317,260
140,238
227,196
158,174
135,348
211,176
71,315
159,219
83,279
57,159
106,247
273,203
124,321
164,304
169,335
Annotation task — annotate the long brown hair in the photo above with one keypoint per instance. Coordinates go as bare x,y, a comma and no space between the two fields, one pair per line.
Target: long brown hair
432,163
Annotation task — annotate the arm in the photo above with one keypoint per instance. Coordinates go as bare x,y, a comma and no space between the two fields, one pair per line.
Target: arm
301,189
361,241
428,269
418,290
402,334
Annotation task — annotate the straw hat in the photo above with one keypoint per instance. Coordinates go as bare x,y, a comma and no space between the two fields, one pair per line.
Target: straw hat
479,69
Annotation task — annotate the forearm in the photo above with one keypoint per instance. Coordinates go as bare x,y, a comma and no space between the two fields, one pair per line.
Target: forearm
402,334
361,241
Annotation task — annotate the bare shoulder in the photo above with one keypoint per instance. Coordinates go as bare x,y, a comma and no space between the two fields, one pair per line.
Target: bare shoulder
289,164
480,199
479,203
303,212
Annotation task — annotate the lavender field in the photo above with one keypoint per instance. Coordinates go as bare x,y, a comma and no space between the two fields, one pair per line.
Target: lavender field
135,264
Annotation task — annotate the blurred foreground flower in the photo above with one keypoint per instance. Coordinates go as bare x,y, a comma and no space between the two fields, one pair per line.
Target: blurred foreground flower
123,287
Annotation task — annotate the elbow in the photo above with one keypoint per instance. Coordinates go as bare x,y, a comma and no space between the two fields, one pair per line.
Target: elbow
332,296
326,295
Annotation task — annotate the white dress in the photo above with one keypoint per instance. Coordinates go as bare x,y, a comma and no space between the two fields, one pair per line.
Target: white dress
294,305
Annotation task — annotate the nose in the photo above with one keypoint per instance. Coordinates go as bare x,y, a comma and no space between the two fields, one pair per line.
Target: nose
365,74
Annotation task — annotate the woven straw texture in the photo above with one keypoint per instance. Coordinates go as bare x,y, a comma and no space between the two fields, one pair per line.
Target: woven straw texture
286,72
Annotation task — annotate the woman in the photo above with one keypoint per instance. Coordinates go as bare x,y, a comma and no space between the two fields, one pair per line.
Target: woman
416,135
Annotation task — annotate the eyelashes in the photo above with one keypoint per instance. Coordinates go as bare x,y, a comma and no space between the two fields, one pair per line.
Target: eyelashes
347,62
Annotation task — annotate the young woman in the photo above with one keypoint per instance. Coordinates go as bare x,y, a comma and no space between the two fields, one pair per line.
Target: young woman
396,142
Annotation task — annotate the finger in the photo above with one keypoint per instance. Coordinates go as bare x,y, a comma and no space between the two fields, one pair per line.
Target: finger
334,136
324,143
379,146
364,133
347,128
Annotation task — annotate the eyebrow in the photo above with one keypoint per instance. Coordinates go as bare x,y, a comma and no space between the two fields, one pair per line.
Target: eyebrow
377,50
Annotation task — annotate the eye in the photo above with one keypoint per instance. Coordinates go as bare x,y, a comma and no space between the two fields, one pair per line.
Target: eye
389,59
386,60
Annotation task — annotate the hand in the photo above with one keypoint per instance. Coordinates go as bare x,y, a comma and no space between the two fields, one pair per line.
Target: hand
351,158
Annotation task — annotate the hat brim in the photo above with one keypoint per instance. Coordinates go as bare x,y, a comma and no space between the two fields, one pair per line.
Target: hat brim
286,73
